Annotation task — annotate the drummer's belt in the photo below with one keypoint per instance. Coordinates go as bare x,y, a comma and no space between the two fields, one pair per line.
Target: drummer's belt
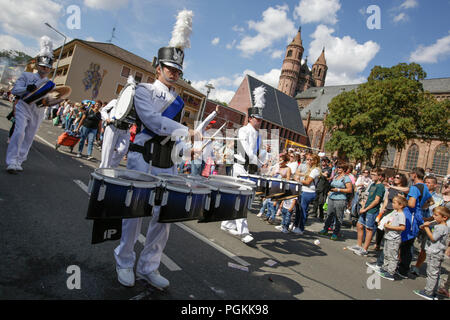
121,125
161,156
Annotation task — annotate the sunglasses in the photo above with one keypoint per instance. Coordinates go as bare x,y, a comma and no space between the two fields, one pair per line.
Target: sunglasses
397,177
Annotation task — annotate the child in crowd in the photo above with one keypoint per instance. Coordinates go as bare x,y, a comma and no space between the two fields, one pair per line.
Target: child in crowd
435,249
287,208
394,226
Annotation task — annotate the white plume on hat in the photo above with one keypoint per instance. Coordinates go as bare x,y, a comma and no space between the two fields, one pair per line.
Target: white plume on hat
46,47
131,80
182,30
259,94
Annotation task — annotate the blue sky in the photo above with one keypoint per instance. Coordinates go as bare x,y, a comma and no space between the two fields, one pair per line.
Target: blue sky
233,38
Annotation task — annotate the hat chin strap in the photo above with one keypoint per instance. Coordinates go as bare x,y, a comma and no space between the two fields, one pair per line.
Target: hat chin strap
164,75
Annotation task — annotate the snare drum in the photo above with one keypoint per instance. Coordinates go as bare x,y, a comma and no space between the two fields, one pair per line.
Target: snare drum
293,187
261,182
124,110
228,201
275,185
182,200
246,182
39,93
121,193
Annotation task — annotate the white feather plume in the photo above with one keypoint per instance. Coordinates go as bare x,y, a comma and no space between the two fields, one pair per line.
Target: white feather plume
259,95
182,30
46,47
131,80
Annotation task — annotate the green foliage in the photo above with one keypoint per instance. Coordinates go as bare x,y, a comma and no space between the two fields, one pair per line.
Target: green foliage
390,109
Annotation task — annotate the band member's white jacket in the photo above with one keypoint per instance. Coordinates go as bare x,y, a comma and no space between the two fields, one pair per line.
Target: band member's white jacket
248,137
115,140
149,101
28,119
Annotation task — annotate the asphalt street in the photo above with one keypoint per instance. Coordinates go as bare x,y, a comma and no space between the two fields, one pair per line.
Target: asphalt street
43,231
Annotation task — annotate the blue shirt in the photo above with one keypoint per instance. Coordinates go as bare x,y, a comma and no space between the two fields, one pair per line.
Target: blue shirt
341,185
414,192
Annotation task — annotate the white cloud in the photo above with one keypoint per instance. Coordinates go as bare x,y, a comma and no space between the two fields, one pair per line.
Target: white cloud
409,4
8,42
238,29
215,41
90,39
28,18
319,11
431,54
401,17
225,87
275,25
276,54
231,45
105,4
346,58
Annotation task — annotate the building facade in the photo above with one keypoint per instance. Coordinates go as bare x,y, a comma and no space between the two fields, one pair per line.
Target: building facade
99,71
296,76
313,106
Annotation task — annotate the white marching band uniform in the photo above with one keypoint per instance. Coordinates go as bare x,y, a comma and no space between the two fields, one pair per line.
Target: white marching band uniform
251,143
28,119
115,140
149,101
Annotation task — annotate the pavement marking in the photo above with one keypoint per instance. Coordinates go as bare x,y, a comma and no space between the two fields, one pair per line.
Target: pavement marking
45,141
82,185
169,263
215,245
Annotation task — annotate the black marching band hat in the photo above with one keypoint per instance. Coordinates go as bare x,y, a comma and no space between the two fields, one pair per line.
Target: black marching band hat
260,103
173,55
45,56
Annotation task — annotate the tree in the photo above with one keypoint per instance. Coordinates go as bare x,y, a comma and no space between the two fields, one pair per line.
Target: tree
388,110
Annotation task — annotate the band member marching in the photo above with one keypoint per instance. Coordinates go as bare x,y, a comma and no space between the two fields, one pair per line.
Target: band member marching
159,109
249,146
116,138
28,116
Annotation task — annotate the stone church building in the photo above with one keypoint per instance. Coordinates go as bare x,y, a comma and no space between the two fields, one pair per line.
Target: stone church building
312,96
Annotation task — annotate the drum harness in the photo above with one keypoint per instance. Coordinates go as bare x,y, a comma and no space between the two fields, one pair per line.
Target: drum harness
157,150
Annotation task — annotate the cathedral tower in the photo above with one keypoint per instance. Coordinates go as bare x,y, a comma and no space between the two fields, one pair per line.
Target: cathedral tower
290,70
319,70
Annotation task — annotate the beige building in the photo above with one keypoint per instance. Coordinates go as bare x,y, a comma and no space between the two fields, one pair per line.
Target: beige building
99,71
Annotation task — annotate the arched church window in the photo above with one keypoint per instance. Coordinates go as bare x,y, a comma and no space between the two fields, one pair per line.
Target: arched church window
320,71
440,160
412,157
289,53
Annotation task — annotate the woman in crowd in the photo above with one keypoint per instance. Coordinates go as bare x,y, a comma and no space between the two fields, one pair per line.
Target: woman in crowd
309,182
90,125
341,185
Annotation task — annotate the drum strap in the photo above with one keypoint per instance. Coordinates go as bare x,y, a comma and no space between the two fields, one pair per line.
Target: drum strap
161,156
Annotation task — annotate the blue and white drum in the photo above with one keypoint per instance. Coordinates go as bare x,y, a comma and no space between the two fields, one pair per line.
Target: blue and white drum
166,176
228,201
40,92
293,187
275,185
261,182
121,193
246,182
182,200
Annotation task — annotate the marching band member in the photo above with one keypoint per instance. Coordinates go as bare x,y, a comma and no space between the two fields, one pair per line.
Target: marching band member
28,116
159,109
248,162
116,138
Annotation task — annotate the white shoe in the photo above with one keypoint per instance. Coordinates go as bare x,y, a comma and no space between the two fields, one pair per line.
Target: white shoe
11,168
279,228
247,239
155,279
297,230
234,232
354,248
19,168
125,276
259,215
291,226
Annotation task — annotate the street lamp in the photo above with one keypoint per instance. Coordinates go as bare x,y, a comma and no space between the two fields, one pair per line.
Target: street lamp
209,87
62,48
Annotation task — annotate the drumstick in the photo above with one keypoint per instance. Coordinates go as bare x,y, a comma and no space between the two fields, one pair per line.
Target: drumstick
215,134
